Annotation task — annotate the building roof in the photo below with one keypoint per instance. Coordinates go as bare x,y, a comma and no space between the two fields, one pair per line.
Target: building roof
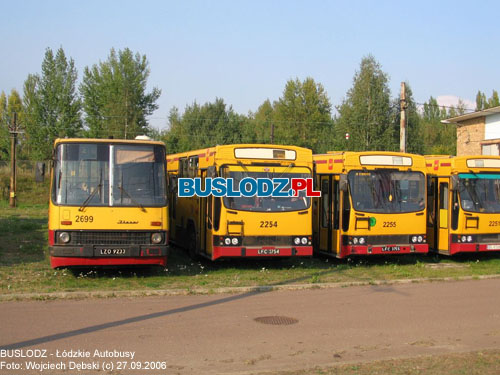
472,115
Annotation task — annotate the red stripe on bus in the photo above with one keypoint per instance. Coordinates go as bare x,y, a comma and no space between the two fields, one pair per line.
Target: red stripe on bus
445,164
320,161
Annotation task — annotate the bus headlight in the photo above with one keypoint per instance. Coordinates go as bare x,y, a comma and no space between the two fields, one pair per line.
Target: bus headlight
469,238
64,237
464,239
304,241
414,239
362,240
355,240
156,238
234,241
227,241
296,241
420,239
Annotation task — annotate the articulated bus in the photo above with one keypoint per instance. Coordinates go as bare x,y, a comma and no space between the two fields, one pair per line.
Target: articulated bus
463,203
227,227
371,203
108,203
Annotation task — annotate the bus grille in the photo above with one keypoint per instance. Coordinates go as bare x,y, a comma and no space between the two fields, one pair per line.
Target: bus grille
267,241
110,238
388,240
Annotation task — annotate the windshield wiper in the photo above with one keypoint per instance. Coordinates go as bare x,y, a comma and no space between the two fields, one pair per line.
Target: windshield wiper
89,198
92,195
132,199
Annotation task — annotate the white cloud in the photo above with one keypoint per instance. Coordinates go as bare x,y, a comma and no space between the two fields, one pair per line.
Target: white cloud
452,101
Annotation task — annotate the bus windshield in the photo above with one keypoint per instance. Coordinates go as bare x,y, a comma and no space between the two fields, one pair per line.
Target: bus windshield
387,191
479,192
264,204
102,174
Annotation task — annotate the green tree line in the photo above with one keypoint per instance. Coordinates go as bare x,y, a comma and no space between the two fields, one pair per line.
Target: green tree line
112,100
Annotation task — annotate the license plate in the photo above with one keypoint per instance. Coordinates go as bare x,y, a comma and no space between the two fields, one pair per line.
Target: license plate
391,248
268,252
112,251
493,247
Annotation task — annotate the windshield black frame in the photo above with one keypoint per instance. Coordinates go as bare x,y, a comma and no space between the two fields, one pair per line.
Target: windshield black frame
95,174
477,192
266,204
378,191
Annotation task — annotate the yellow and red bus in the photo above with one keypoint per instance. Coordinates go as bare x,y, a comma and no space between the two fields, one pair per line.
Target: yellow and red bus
228,227
371,203
463,203
108,203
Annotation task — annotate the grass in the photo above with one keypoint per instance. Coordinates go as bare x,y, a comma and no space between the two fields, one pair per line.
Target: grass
24,262
24,265
475,363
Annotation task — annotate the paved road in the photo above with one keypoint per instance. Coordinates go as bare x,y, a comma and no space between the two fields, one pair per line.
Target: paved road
218,334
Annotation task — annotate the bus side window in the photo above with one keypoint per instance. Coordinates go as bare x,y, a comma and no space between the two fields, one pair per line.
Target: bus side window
193,167
183,167
217,207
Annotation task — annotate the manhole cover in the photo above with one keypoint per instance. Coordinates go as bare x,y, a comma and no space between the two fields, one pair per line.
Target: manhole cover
276,320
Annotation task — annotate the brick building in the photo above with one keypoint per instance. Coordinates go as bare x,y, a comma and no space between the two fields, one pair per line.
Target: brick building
478,133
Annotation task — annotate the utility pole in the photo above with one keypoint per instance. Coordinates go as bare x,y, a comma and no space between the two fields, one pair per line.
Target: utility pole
13,143
402,123
272,133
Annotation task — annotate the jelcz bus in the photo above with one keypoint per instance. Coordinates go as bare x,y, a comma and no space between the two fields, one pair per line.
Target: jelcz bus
371,203
108,203
227,227
464,203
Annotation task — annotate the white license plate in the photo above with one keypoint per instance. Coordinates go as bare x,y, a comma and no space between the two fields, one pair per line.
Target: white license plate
113,251
391,248
493,247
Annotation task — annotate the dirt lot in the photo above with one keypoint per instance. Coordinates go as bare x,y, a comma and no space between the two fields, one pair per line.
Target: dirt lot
218,334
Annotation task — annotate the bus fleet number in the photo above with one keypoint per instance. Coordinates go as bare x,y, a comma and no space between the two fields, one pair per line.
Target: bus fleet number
389,224
268,224
84,219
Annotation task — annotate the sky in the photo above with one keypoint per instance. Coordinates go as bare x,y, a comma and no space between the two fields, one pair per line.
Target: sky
245,51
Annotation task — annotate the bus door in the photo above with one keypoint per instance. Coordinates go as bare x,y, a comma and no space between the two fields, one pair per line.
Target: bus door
329,214
202,209
325,214
443,221
208,225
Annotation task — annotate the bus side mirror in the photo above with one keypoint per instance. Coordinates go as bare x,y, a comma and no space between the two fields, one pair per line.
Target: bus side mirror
343,183
212,171
454,182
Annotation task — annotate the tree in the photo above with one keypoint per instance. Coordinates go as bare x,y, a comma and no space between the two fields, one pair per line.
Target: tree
438,138
114,96
494,100
365,113
302,116
51,103
205,126
483,103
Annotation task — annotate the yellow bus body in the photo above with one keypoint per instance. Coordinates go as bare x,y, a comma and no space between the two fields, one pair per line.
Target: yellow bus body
205,225
457,221
344,226
105,235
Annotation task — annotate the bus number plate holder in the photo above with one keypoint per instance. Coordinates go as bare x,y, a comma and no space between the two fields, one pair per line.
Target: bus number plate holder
112,251
390,248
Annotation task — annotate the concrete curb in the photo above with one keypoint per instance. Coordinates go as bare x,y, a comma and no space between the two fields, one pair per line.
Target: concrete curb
224,290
